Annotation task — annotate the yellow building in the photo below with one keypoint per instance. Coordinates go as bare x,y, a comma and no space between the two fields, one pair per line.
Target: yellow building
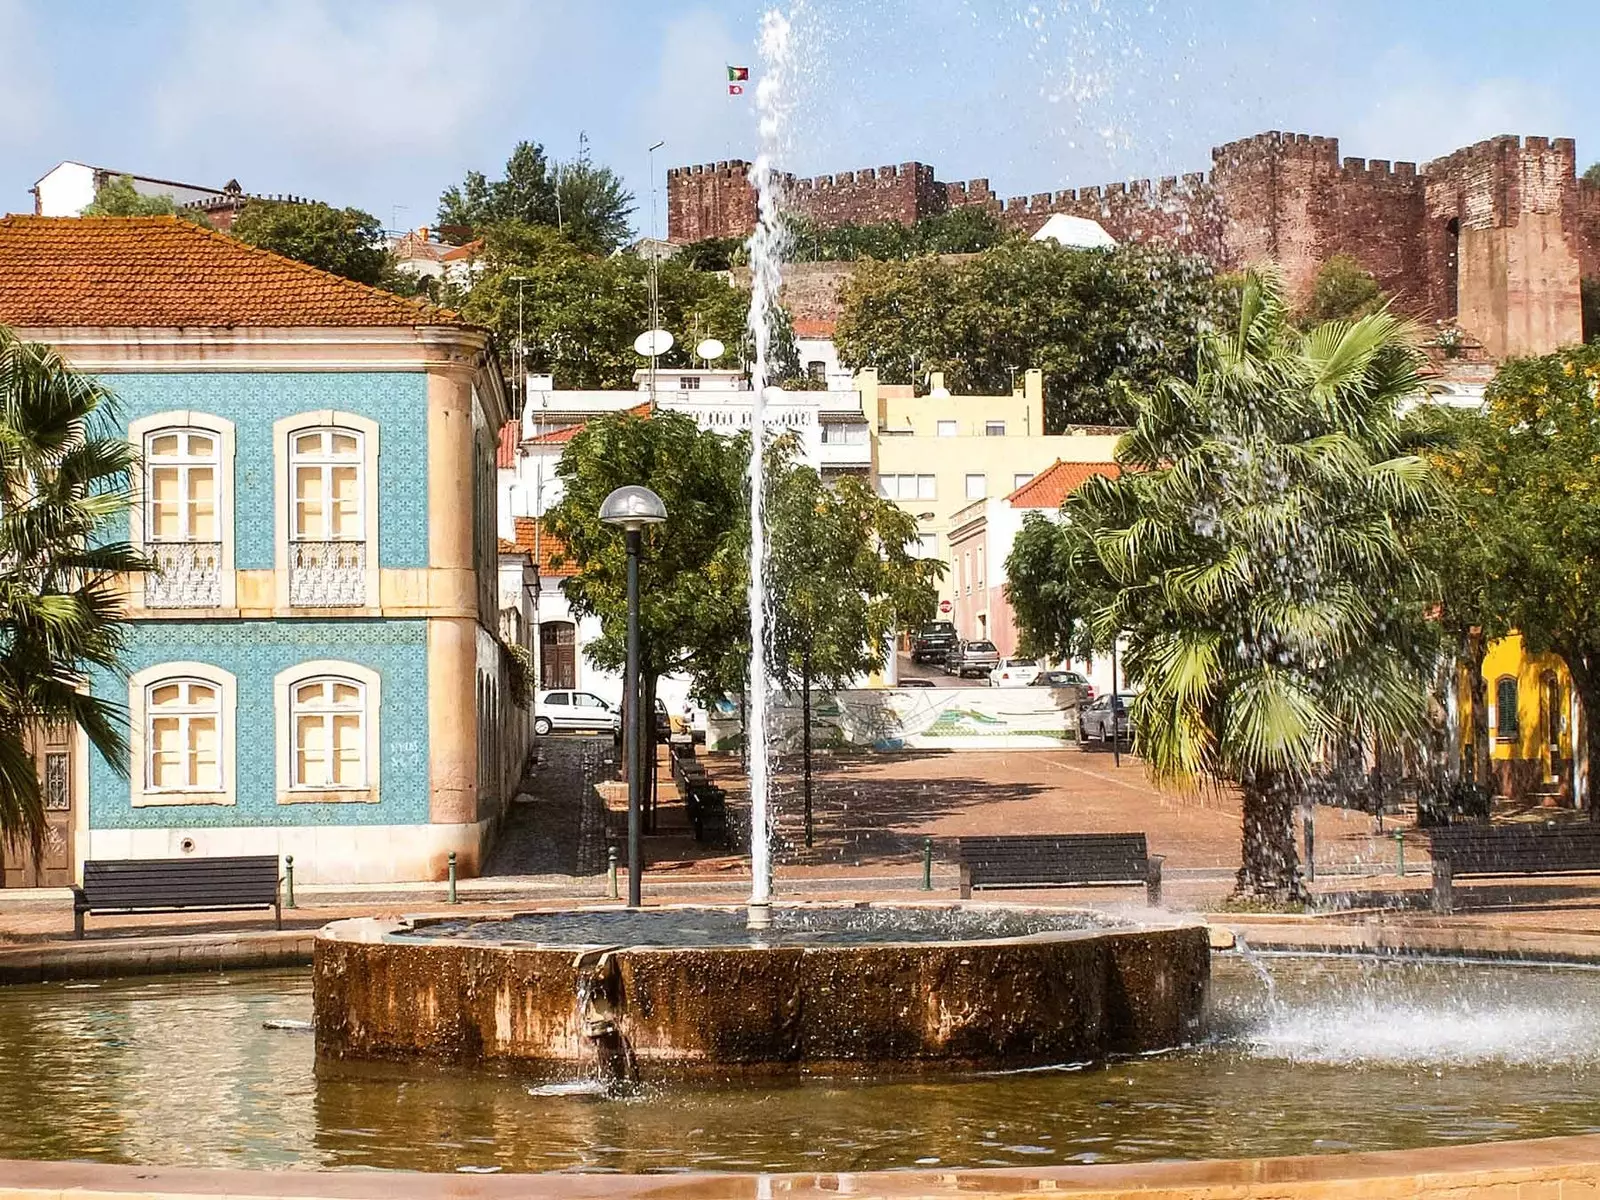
937,453
1531,722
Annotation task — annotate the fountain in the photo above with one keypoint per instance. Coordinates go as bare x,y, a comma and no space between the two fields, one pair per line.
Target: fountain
675,991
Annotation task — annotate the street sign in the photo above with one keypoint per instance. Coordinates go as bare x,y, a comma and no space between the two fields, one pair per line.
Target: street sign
944,606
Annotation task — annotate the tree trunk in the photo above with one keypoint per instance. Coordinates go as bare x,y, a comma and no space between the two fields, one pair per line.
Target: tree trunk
1477,647
805,733
1586,683
1270,869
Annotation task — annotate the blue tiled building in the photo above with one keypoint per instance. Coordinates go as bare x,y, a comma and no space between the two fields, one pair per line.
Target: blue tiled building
315,668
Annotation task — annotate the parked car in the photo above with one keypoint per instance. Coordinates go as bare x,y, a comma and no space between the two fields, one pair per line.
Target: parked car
971,658
1095,720
565,708
1077,689
933,641
913,683
1014,672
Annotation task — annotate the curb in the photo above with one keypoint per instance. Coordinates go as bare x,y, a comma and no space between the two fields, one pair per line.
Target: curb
157,955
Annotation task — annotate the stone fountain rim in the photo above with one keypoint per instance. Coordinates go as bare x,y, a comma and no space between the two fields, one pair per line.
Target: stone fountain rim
407,930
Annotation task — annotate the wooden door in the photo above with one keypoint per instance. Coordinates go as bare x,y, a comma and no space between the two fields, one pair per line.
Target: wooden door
53,758
558,658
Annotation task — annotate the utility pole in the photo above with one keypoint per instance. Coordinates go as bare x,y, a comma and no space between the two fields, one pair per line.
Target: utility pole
655,292
520,372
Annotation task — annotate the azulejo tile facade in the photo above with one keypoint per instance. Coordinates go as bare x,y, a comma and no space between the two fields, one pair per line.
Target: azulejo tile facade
317,668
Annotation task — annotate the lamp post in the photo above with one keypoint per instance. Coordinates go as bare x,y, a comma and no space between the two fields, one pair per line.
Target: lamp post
632,507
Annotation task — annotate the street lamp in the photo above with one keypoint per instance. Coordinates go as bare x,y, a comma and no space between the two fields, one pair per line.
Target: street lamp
632,507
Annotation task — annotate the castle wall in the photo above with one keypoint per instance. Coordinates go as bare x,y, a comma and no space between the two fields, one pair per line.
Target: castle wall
1495,235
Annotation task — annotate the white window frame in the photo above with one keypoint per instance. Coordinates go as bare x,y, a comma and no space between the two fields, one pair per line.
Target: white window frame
141,793
284,685
994,429
982,486
221,429
945,428
1021,479
284,432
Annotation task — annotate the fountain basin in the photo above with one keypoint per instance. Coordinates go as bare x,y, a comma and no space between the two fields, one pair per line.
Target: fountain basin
684,991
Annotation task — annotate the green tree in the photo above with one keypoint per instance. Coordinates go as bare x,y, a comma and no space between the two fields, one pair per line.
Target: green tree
344,241
1592,175
589,203
842,574
965,230
581,313
117,198
1101,324
692,574
1254,558
64,483
1528,474
1344,290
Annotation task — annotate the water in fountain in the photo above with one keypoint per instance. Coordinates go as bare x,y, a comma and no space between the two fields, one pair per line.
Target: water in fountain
766,255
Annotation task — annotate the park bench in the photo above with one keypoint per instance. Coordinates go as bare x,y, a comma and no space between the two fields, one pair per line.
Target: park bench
176,884
1059,860
1459,850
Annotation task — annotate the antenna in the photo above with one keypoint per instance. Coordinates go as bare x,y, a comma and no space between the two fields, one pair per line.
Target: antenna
655,290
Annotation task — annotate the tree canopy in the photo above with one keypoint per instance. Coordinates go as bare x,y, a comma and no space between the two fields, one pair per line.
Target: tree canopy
1592,175
581,313
589,204
117,198
344,241
1344,290
1253,558
1101,324
1523,476
64,484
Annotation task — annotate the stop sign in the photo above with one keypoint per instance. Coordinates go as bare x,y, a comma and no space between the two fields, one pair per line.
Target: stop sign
944,606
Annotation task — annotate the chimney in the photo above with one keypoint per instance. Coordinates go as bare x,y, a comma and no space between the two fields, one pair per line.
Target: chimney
1033,393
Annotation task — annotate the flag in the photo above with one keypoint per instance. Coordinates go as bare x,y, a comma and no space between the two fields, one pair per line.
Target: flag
738,74
735,89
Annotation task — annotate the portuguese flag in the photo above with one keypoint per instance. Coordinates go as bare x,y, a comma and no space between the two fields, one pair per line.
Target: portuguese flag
737,78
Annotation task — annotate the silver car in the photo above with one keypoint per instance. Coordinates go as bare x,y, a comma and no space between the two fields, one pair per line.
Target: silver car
1095,720
977,657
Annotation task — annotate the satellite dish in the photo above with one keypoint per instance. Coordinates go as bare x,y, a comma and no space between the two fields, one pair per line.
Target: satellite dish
652,343
710,349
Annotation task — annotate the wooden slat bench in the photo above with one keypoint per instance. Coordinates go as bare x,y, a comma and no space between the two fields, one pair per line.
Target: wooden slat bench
175,884
1459,850
1059,860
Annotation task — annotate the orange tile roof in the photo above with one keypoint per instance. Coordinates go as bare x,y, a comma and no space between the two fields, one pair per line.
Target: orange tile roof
556,437
549,547
1051,486
505,453
813,327
165,273
457,253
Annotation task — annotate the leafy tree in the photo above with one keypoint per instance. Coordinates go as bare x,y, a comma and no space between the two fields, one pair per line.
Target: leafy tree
693,571
842,575
1592,175
964,230
580,313
64,482
1344,291
1101,324
588,202
1528,475
1254,557
714,254
344,241
117,198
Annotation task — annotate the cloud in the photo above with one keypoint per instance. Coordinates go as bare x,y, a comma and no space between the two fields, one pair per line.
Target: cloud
334,82
1431,112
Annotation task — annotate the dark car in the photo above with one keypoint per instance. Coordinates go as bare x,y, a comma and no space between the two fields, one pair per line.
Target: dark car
933,641
1095,720
1074,687
977,657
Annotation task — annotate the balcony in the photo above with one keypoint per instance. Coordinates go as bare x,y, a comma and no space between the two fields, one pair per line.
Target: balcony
328,574
186,575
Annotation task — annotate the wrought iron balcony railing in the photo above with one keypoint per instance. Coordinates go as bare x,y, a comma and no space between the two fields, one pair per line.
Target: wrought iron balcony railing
186,575
328,574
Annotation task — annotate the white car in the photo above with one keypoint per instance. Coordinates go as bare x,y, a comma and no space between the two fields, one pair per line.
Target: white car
1014,672
564,708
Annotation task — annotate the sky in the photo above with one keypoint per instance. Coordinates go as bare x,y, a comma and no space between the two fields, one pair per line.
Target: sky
382,104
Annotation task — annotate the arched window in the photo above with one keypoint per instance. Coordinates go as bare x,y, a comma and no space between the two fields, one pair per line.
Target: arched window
328,518
183,736
328,717
1505,708
184,518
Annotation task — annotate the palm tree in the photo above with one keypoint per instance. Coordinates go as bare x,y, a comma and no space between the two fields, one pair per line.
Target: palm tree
1253,555
64,479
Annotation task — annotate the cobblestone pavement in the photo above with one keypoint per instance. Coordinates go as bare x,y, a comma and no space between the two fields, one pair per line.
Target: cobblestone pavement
557,822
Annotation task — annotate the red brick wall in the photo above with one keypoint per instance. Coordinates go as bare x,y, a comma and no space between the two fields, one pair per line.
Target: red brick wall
1496,233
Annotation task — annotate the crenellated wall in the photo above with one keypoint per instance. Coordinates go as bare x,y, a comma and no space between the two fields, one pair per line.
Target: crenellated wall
1495,235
